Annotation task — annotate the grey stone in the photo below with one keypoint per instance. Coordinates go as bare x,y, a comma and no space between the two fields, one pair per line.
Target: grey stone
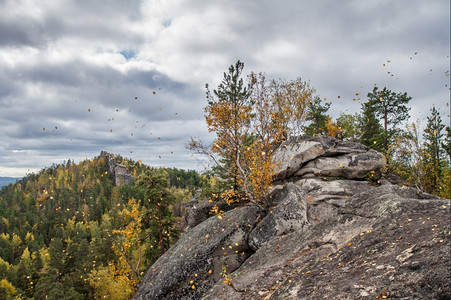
350,166
118,172
389,241
294,153
216,242
290,214
324,197
200,212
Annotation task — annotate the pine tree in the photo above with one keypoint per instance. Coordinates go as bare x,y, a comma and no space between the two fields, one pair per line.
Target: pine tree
316,113
392,109
433,154
227,114
371,131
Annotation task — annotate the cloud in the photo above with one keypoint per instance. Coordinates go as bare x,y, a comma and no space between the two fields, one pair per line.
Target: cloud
77,77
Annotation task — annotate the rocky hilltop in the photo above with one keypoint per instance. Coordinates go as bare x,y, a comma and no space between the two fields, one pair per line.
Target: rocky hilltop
118,172
333,231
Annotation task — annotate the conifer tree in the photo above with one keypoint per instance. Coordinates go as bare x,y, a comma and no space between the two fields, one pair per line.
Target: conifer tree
316,114
392,109
433,154
371,131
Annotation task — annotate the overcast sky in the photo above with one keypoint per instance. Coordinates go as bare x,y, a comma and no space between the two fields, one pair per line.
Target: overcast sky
78,77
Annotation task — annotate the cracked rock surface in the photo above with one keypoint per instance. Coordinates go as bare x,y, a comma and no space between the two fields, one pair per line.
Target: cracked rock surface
379,244
327,234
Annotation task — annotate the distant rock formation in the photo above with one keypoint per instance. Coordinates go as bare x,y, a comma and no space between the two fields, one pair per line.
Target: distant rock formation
329,234
118,172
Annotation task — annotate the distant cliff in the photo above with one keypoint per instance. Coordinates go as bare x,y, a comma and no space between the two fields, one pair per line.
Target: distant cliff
118,172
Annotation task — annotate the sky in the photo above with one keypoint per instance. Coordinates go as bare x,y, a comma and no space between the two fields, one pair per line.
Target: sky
128,77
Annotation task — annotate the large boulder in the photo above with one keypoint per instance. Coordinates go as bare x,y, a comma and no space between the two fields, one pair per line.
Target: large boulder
350,166
388,242
194,264
346,159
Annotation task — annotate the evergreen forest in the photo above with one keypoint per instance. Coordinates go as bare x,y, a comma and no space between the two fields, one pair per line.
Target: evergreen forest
69,233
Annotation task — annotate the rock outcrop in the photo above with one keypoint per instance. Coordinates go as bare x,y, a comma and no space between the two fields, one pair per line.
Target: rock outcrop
388,242
194,264
329,234
325,156
118,172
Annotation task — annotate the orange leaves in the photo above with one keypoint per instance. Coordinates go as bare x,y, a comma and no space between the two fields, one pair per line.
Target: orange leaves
232,196
332,128
248,123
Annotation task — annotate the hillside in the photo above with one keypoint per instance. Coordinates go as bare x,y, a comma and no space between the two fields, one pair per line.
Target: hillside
73,231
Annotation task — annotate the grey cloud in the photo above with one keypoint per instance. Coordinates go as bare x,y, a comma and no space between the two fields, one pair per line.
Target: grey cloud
339,46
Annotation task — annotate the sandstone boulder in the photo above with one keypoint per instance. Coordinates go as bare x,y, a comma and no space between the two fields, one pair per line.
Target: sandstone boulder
350,166
190,267
293,154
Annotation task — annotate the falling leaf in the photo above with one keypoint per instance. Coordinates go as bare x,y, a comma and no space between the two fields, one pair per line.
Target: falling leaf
43,128
341,164
338,97
154,93
89,109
